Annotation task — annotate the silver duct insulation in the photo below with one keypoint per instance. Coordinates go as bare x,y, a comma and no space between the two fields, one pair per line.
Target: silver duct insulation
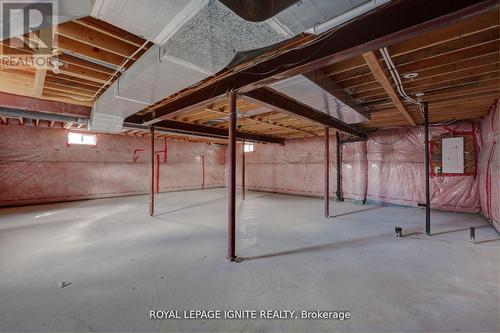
202,45
194,40
306,91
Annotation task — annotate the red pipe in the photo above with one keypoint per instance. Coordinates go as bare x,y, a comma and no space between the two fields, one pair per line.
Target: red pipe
152,169
157,173
326,160
202,172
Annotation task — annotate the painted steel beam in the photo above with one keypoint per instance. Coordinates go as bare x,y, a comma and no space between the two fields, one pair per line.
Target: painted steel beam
276,100
231,181
402,20
328,84
207,131
45,106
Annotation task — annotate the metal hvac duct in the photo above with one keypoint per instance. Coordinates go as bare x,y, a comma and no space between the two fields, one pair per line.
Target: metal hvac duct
194,40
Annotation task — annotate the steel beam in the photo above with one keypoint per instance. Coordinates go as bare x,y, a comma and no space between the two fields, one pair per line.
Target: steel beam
276,100
152,171
427,181
231,182
326,166
320,78
40,105
207,131
402,20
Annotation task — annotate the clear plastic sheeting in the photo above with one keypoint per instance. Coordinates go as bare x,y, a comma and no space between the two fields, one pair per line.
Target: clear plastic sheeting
489,165
396,171
387,169
297,168
354,167
37,165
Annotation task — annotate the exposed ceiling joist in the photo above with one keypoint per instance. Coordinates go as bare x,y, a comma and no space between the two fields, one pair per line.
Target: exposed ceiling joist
378,73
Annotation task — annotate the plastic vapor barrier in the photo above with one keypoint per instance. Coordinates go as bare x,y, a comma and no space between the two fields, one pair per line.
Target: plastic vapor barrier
388,169
37,165
489,166
297,168
396,170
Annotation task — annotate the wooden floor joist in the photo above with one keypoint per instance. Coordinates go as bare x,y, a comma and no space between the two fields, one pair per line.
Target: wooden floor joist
378,73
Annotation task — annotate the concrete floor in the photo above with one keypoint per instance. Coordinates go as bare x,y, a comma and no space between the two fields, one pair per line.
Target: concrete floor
121,263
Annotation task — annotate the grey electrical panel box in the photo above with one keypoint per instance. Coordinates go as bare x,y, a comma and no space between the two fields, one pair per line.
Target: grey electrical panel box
453,155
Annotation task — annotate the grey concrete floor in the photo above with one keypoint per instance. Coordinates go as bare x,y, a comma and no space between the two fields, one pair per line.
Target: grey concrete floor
122,263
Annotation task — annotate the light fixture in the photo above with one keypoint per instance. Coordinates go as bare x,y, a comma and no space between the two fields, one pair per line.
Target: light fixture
419,96
410,76
55,65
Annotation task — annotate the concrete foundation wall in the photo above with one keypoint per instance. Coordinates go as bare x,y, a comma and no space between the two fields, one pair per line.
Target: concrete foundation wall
37,165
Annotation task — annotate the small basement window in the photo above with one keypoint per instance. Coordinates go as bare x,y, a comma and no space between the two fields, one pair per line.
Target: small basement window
82,139
248,148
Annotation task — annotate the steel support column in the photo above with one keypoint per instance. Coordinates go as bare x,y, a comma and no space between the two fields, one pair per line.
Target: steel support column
243,170
427,183
326,160
152,171
231,183
339,167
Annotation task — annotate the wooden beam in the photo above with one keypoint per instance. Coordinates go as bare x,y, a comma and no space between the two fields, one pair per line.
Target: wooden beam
110,30
380,76
40,75
71,45
95,38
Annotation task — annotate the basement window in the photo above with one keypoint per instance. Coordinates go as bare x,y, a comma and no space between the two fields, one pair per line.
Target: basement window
248,148
82,139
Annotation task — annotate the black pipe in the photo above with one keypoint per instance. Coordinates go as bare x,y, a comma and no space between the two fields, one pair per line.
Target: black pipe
339,167
472,234
427,182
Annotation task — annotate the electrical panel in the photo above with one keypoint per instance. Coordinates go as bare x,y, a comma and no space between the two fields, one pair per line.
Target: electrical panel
453,155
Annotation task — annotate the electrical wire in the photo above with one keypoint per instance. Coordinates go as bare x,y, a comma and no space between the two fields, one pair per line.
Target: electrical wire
397,79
